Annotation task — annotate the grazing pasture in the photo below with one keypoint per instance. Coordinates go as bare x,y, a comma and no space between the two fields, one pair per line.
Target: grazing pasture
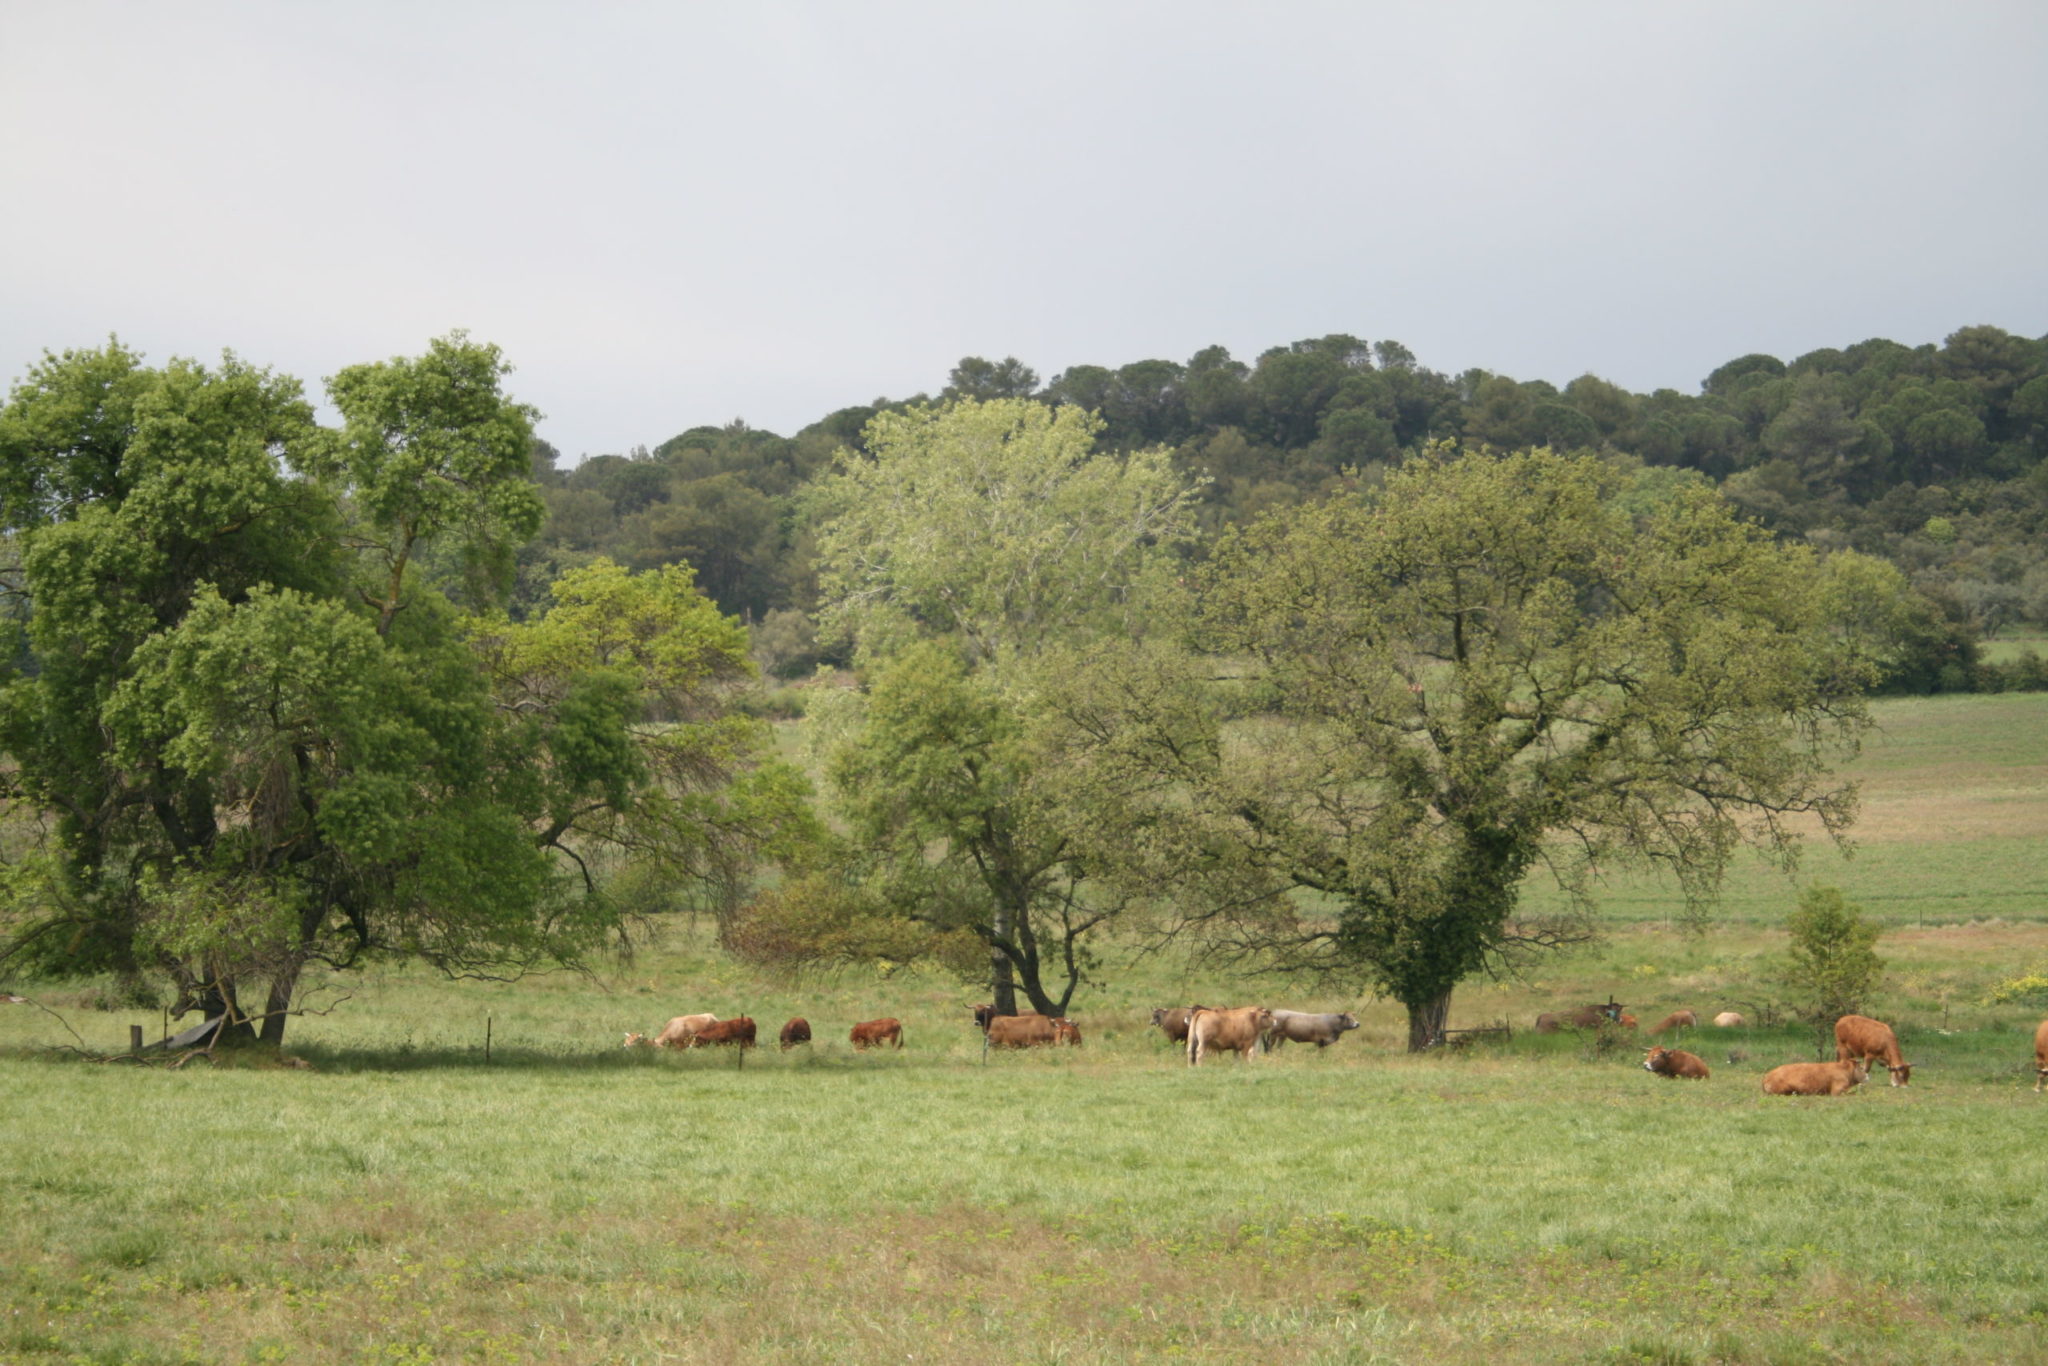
1539,1198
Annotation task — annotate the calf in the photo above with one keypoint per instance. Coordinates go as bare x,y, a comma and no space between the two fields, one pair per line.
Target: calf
1677,1019
1729,1019
1814,1078
1173,1021
795,1032
736,1031
1235,1031
1675,1063
1299,1027
677,1033
874,1033
2041,1055
1860,1037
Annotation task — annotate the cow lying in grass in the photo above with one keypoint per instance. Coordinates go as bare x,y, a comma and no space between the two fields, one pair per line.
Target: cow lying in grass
1860,1037
1675,1063
2041,1055
1677,1019
677,1033
1729,1019
1814,1078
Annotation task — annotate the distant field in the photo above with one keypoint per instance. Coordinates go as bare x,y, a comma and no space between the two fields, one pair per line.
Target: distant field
2005,648
1544,1200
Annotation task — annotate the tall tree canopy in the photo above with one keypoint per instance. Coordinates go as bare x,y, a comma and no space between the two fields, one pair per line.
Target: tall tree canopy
1488,665
968,542
259,734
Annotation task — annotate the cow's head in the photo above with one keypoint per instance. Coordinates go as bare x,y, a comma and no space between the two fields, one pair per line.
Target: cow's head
1158,1015
1902,1073
982,1015
633,1039
1652,1058
1858,1072
1347,1021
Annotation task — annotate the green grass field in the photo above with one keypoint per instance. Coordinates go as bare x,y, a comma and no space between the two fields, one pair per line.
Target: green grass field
404,1200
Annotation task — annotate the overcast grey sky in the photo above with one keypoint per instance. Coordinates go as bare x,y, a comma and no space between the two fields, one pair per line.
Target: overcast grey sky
672,214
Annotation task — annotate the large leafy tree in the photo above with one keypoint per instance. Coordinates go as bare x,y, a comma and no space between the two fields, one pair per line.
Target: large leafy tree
969,544
256,734
1490,665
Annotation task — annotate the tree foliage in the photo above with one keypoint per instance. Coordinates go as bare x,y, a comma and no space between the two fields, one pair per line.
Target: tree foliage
1486,666
1831,964
258,733
960,551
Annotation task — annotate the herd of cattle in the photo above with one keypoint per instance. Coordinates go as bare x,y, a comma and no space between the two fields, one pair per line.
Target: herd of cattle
1859,1040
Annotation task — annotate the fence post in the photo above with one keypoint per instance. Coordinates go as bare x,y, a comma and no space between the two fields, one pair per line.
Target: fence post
487,1039
134,1038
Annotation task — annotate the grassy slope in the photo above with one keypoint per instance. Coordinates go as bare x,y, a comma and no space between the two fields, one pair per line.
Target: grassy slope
573,1202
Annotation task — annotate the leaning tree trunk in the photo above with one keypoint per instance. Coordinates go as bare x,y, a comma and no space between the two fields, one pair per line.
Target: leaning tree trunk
1426,1021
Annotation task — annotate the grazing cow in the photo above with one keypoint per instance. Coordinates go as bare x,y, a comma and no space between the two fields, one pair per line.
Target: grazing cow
1023,1031
1548,1023
738,1030
2041,1055
1234,1031
1859,1036
1294,1026
1173,1021
1675,1063
675,1034
1729,1019
1677,1019
795,1032
1814,1078
874,1033
1067,1032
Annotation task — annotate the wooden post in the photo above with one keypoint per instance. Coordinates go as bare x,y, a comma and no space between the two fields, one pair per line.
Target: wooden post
134,1038
487,1038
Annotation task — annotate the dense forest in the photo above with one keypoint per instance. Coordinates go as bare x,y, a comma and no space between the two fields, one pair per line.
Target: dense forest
1932,457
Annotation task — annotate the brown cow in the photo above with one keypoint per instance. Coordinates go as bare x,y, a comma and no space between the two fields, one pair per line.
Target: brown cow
1548,1023
1235,1031
1067,1032
1677,1019
1814,1078
1023,1031
795,1032
738,1030
2041,1055
1729,1019
1859,1036
1173,1021
874,1033
675,1034
1675,1063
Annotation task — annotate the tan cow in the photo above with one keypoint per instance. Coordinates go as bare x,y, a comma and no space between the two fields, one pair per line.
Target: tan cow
1677,1019
677,1033
1814,1078
1067,1032
2041,1055
1235,1031
1022,1031
1729,1019
876,1033
1675,1063
1859,1036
